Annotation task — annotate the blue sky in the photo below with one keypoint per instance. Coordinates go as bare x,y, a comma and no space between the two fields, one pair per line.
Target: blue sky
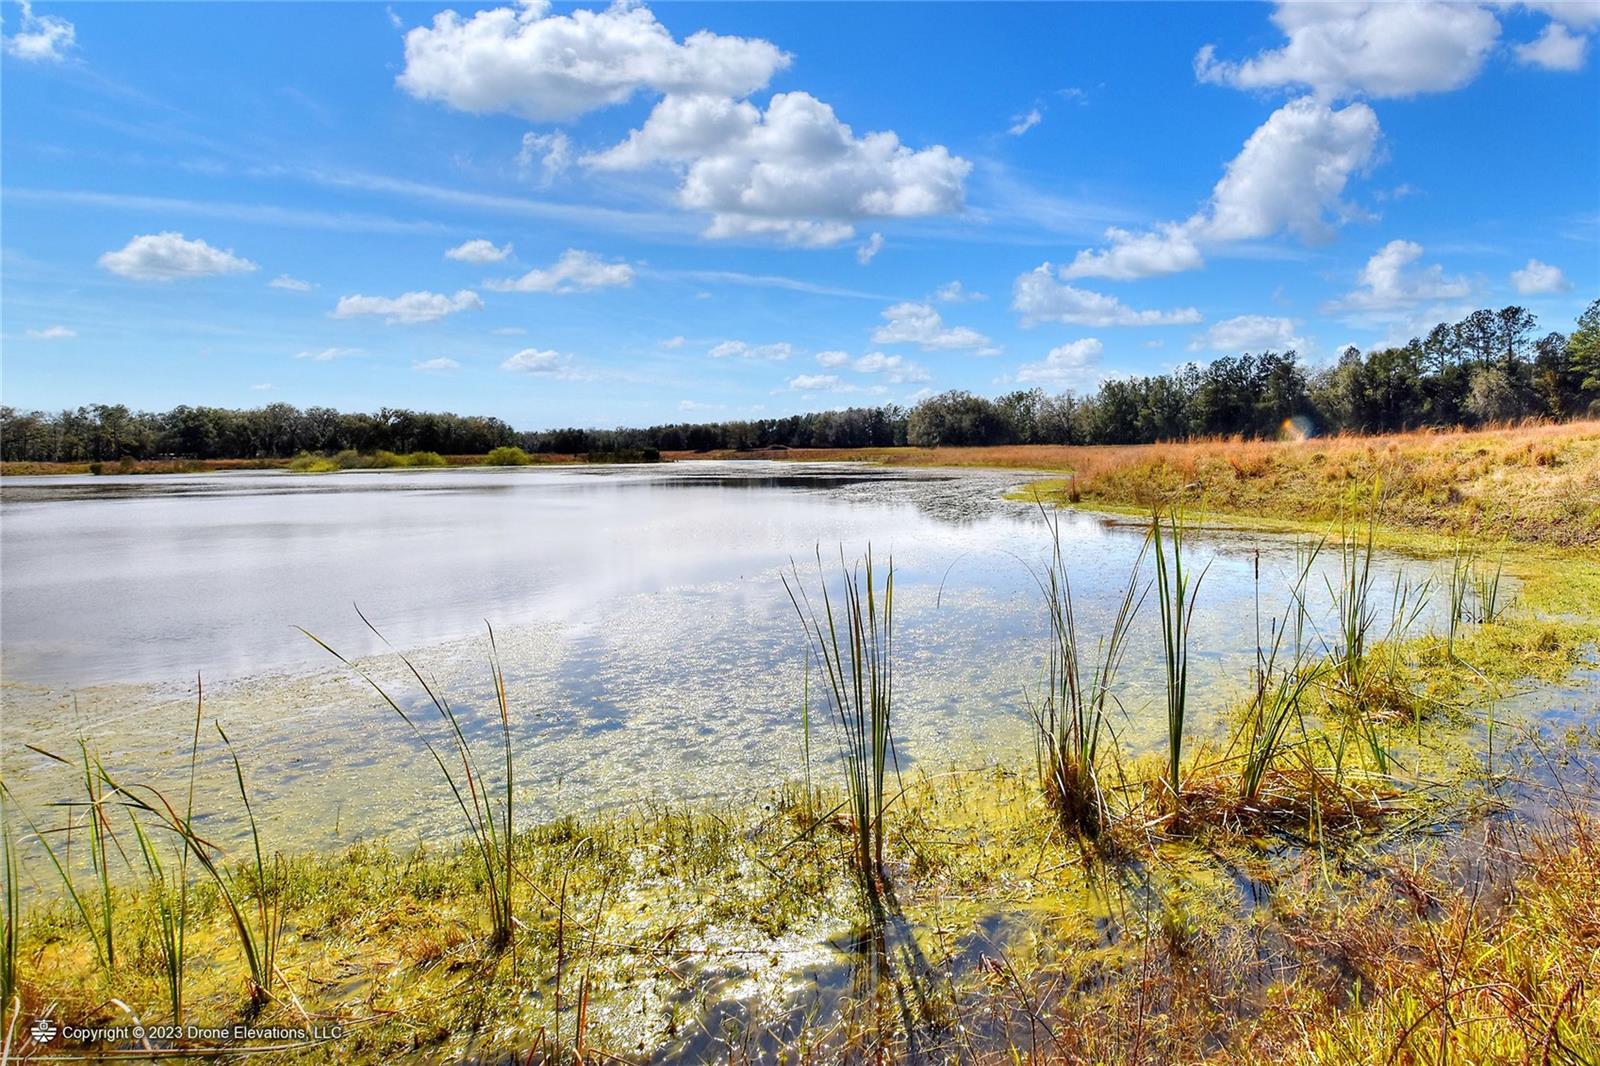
590,215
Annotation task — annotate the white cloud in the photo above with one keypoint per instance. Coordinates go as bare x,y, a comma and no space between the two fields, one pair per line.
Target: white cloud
552,152
1023,123
479,251
816,382
953,293
1557,48
1389,280
674,342
263,387
284,281
508,331
1292,171
1378,49
575,271
435,364
543,364
869,249
1167,250
833,358
1067,365
42,38
52,333
794,172
1290,175
1249,333
409,308
692,406
548,67
920,324
894,369
1039,297
165,256
328,355
740,350
1538,278
1580,14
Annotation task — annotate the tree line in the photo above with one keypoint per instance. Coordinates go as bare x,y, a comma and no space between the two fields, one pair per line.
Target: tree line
1491,366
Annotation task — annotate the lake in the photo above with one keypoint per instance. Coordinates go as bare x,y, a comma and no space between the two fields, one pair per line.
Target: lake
650,648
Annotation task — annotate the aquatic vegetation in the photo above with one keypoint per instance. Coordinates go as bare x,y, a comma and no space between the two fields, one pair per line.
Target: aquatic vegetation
1176,597
488,824
860,690
1071,719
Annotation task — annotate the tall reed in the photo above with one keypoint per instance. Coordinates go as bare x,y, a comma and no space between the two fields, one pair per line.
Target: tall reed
1176,596
13,911
1072,717
1279,689
489,824
860,676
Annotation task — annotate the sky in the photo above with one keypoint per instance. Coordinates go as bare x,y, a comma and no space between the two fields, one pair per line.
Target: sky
634,214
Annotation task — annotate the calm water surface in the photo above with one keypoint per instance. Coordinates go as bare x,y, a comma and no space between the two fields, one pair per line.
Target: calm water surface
648,642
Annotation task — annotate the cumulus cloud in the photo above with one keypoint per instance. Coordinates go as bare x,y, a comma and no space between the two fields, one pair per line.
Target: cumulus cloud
920,324
548,153
52,333
479,251
869,249
1290,175
547,67
1378,49
815,382
42,38
894,369
575,271
740,350
1023,123
543,364
1039,297
1538,278
1557,48
409,308
833,358
1390,280
1249,333
794,172
166,256
1292,171
1072,364
435,365
284,281
327,355
1166,250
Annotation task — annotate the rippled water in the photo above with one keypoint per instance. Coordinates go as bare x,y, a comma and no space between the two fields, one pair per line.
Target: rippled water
649,646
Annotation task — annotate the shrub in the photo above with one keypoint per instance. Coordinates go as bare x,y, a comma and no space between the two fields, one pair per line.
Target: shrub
506,455
424,459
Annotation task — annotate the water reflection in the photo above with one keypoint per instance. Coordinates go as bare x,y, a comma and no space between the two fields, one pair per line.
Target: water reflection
648,645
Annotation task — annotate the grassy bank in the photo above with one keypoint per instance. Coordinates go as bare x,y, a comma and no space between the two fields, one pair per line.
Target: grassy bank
1532,485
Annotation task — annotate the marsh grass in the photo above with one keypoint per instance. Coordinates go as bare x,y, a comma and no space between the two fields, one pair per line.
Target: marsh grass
1285,674
489,824
1071,720
1175,595
11,869
860,689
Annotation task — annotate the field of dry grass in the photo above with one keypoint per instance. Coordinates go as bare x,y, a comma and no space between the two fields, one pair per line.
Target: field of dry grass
1535,484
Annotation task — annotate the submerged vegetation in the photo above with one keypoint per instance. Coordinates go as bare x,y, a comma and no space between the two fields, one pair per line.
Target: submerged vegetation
1330,879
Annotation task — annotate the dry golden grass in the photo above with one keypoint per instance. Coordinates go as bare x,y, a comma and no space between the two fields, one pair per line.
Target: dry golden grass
1536,484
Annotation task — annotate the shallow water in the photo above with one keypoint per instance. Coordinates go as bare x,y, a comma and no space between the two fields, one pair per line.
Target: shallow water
650,648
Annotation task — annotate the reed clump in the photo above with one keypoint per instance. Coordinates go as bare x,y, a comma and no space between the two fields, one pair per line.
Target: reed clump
857,664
